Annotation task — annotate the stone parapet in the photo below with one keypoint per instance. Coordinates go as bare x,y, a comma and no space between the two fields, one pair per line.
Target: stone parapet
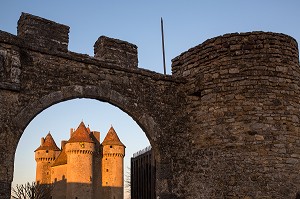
121,52
37,31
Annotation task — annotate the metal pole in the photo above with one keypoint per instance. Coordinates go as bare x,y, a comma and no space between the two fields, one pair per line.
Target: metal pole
163,44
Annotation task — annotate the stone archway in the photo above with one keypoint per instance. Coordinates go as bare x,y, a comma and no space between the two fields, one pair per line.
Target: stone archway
39,72
96,114
146,122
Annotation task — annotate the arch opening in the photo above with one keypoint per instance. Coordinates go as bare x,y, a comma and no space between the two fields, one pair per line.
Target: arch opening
92,109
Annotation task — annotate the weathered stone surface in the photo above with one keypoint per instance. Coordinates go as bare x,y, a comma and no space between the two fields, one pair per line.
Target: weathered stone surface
43,33
109,49
243,109
224,125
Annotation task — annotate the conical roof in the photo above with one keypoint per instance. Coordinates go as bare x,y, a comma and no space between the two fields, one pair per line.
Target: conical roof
48,144
61,159
112,138
81,134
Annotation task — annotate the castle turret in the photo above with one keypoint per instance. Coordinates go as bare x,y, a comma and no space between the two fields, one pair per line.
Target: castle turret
45,155
113,152
79,149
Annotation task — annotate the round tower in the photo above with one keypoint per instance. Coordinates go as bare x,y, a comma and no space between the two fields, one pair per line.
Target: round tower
45,155
113,152
79,149
243,109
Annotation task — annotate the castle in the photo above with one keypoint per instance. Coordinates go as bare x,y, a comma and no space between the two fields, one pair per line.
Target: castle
82,168
225,124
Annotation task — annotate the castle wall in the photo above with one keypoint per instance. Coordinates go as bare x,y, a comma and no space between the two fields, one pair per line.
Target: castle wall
244,109
97,175
59,179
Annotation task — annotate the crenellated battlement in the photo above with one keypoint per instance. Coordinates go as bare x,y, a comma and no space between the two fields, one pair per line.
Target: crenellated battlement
43,159
113,155
80,151
43,33
122,52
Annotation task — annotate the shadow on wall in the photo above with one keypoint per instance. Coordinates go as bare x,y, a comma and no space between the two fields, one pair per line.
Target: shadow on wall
60,187
63,190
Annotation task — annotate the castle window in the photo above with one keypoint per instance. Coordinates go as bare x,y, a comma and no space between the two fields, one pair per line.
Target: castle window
106,170
47,151
110,146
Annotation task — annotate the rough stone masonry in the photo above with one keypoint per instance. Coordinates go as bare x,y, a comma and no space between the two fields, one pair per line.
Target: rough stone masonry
225,124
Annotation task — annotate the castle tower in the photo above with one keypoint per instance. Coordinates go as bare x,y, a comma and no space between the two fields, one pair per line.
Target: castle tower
45,155
113,152
79,149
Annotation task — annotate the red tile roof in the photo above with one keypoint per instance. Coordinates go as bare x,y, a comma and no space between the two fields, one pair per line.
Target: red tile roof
49,144
61,159
112,138
81,134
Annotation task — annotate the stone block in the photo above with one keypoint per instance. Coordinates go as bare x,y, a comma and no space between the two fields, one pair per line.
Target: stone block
43,33
118,51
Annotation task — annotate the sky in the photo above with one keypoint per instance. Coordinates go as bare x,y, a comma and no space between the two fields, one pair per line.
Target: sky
186,24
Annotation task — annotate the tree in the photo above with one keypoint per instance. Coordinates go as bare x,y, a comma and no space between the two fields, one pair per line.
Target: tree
32,191
128,182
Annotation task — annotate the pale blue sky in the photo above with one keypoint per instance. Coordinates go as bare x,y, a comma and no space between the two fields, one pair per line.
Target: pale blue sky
186,24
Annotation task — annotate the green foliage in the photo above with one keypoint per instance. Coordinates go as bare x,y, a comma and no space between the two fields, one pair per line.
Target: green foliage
32,191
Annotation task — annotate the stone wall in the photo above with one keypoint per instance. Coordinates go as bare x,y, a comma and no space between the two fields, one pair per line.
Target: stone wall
224,125
10,66
243,106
